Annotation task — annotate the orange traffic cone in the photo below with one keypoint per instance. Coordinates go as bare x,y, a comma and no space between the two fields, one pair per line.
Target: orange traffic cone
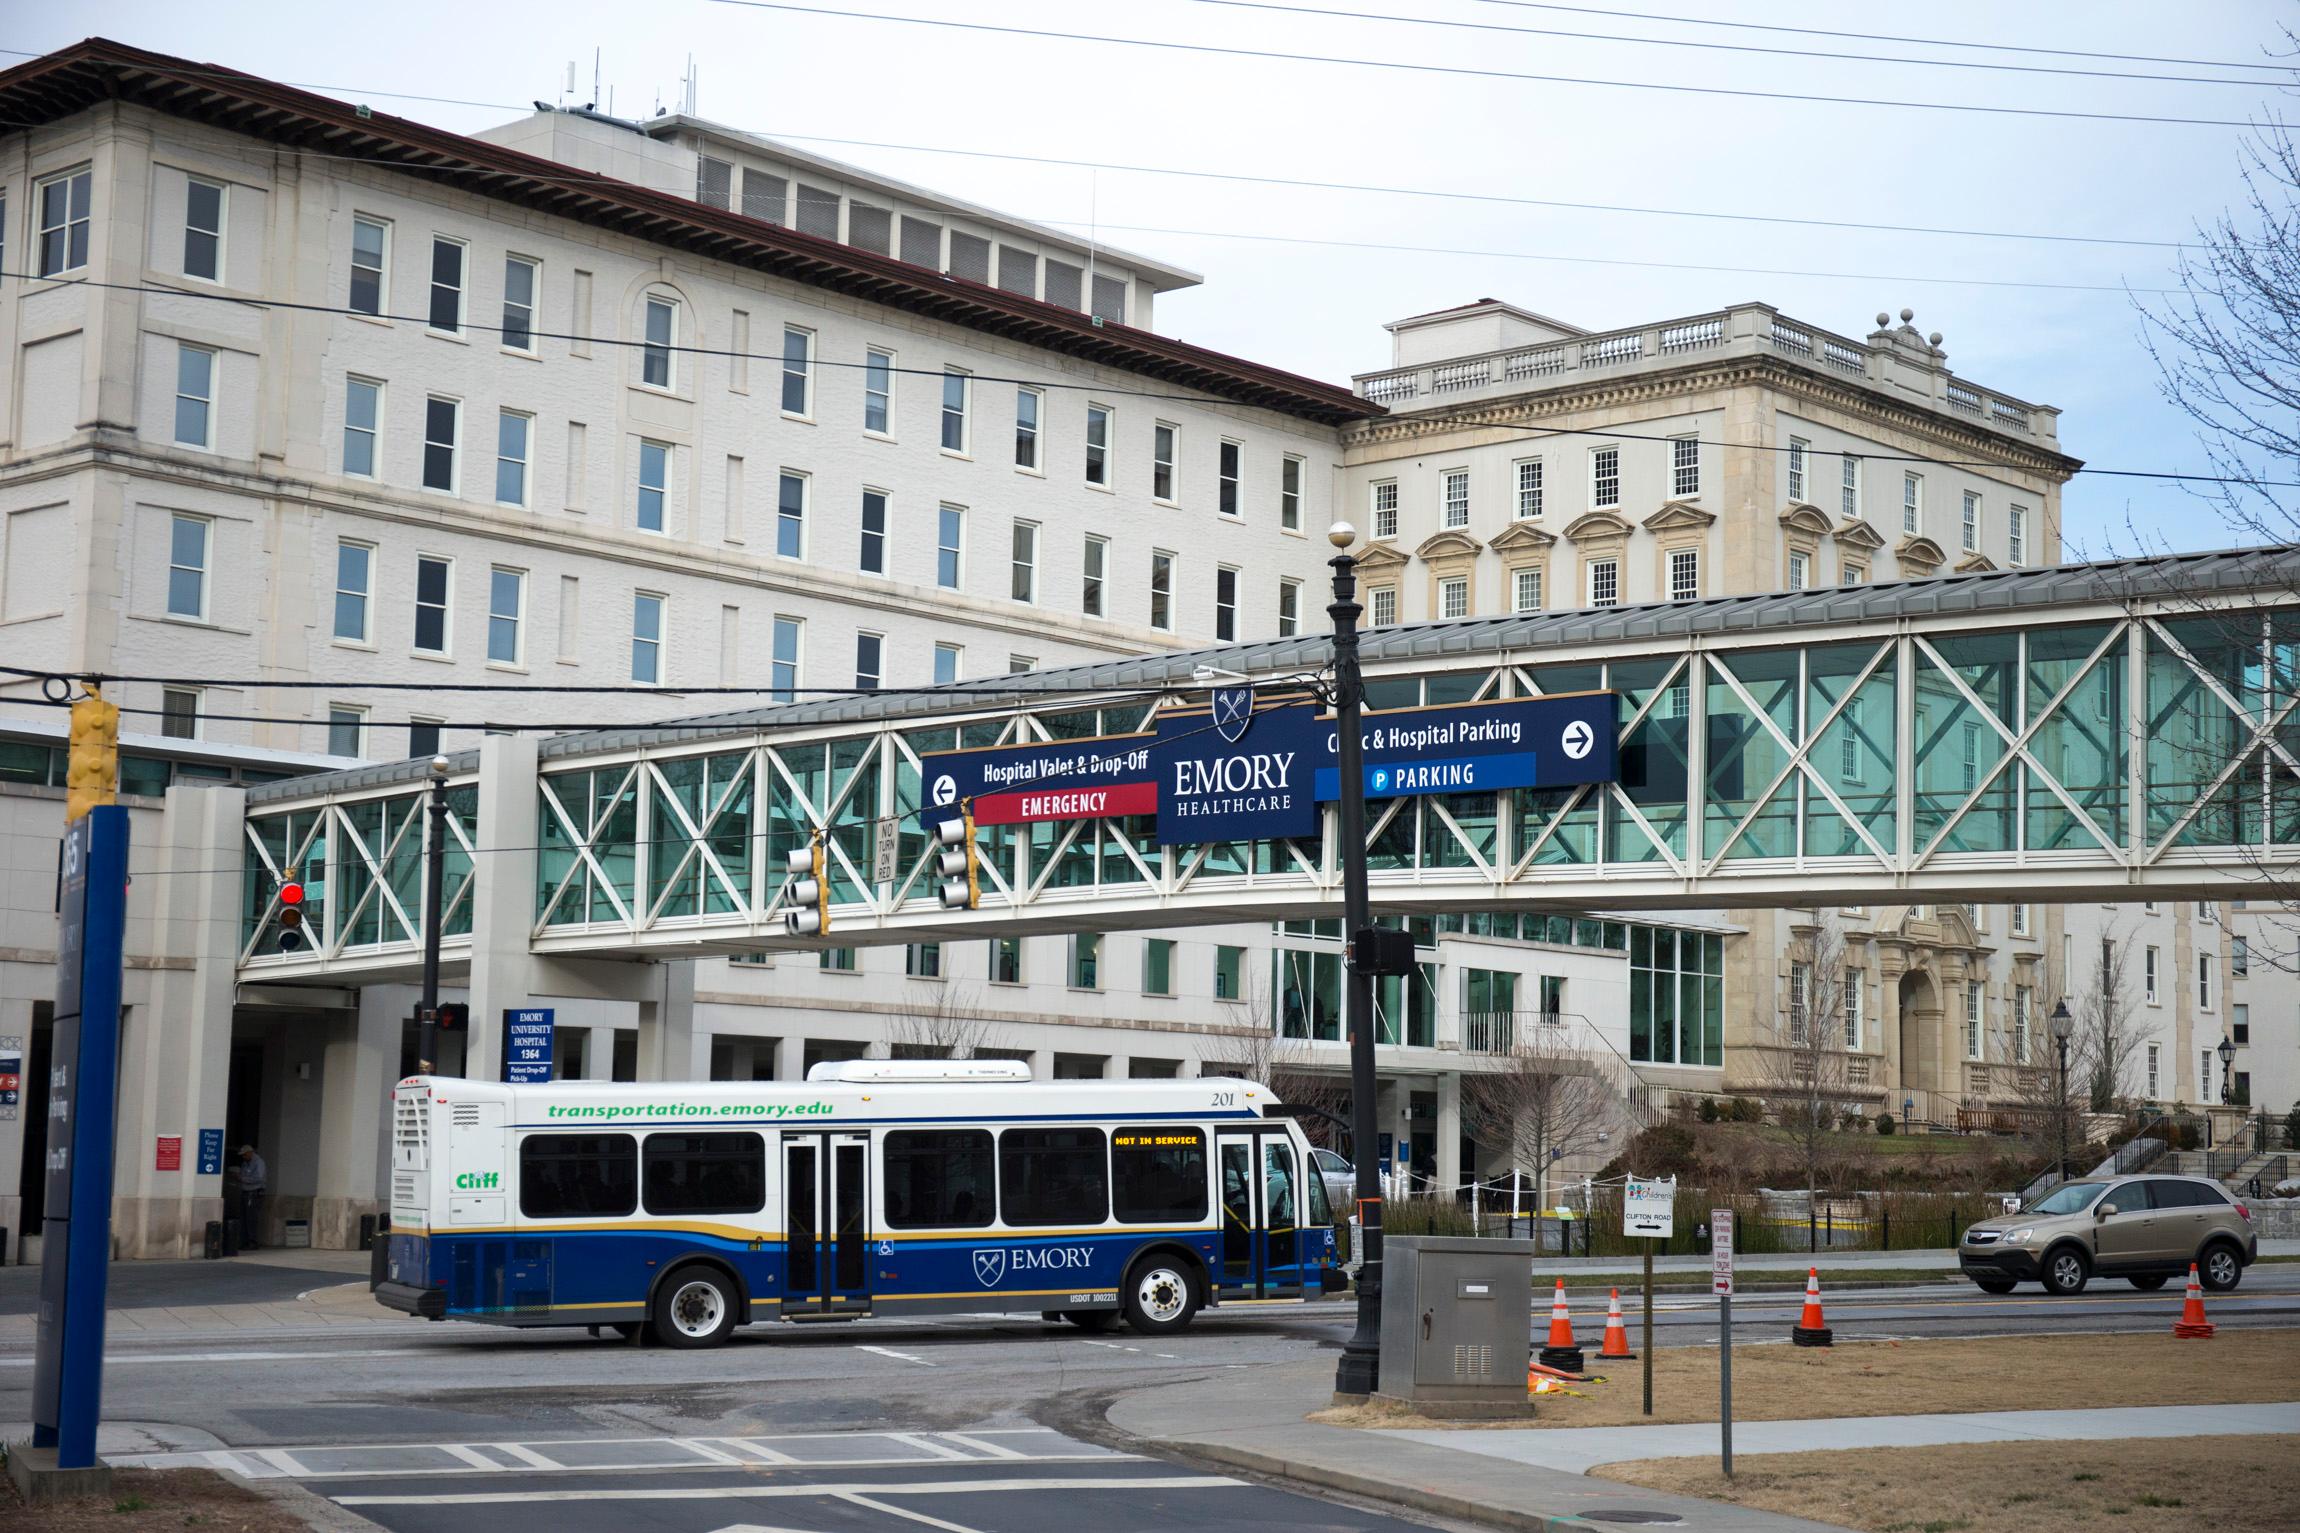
1616,1334
1561,1352
1811,1330
2192,1326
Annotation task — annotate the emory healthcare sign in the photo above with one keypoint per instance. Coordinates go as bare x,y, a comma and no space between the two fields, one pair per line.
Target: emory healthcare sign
1261,774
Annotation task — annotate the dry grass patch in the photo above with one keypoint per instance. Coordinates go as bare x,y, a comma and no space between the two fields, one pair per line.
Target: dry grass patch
156,1501
2152,1485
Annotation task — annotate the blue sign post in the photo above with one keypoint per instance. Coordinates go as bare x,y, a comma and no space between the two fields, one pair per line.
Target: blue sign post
527,1046
76,1236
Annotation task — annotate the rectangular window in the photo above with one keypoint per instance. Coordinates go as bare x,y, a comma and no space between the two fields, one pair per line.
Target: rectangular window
656,353
1053,1176
1162,462
2016,534
1684,466
370,247
1086,961
1799,451
2240,1024
1453,597
1098,444
345,727
1604,583
519,282
1456,505
878,391
578,1176
654,484
1855,574
446,315
1158,966
354,576
2204,1075
1386,509
2239,958
947,659
1970,534
506,605
1095,565
1385,609
362,419
1800,991
954,385
1800,570
1684,574
442,434
2204,982
1225,605
939,1179
1975,1017
870,651
1525,590
2021,1004
791,515
1162,591
1025,563
646,638
179,713
874,532
1290,493
422,738
1528,488
1026,407
433,579
950,547
922,960
783,674
1852,981
1229,973
2148,959
1850,489
1289,608
195,395
511,432
1158,1174
715,1173
1229,469
1853,763
62,236
188,567
203,230
1605,477
798,371
2155,1071
1912,503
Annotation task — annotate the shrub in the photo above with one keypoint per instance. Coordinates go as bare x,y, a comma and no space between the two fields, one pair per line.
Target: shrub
2190,1137
1747,1111
1709,1110
1885,1123
2292,1126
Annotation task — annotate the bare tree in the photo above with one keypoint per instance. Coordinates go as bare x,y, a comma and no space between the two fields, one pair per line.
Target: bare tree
1548,1098
2107,1040
1804,1068
2050,1096
1258,1052
941,1022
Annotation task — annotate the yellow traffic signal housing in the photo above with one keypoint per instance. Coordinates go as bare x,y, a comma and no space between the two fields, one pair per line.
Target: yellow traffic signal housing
92,775
809,914
959,863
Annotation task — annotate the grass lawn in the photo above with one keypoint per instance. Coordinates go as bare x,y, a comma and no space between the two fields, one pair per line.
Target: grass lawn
2149,1485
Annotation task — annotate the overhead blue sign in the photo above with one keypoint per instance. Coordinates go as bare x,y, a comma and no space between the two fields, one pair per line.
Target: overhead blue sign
1221,779
1531,742
527,1046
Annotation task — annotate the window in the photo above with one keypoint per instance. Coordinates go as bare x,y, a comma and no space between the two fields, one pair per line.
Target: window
783,668
203,230
946,663
1096,560
506,601
869,650
1290,493
578,1176
1850,489
2240,1024
1098,446
646,637
345,726
953,410
1229,971
2204,1075
1386,509
1974,1017
2020,920
939,1179
1453,597
874,532
1525,590
1604,582
1969,537
442,433
922,960
1229,471
179,713
520,276
1799,450
362,418
1050,1176
1684,574
511,432
1025,563
1676,993
370,245
1853,992
195,395
1528,488
1912,503
2239,958
446,314
2148,960
1006,960
1225,605
1456,505
718,1173
354,573
1800,570
1970,753
1158,966
422,738
62,238
1605,477
1289,608
2155,1070
798,371
1385,611
432,581
950,546
878,391
2204,982
1158,1174
1684,466
791,515
2016,534
1855,574
1026,407
662,335
1162,591
838,960
2023,999
1800,994
1085,961
654,484
1853,764
188,567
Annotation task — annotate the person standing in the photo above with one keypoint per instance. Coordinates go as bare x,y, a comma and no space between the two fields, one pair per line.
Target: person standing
253,1177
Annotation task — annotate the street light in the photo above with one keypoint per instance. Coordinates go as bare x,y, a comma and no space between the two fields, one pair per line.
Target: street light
2062,1024
2227,1053
434,881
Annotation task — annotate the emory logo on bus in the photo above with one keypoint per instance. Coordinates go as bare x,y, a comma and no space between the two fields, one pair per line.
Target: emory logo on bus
990,1265
613,1110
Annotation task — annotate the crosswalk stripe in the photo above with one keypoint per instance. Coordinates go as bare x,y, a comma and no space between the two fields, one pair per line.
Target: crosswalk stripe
783,1492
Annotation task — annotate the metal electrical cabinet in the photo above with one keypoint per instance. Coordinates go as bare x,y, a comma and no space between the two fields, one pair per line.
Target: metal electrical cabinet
1457,1324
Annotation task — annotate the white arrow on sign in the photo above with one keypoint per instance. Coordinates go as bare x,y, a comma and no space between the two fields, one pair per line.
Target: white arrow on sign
1579,739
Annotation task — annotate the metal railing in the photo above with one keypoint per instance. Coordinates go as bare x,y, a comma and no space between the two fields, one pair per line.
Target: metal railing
1503,1032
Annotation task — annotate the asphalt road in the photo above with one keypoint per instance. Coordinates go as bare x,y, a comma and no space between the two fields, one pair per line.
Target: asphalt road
158,1285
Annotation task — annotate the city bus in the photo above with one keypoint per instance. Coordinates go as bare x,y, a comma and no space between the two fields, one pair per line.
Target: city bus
875,1187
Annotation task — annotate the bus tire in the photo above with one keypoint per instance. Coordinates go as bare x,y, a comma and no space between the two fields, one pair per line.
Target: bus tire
695,1306
1163,1291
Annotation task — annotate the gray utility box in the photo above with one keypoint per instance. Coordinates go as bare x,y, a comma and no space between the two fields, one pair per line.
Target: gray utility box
1457,1324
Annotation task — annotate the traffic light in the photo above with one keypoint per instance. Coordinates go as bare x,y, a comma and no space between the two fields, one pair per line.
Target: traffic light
289,920
809,914
454,1017
92,776
958,864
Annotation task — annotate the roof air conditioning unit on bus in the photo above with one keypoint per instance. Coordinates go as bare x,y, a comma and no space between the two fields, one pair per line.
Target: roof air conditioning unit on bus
944,1072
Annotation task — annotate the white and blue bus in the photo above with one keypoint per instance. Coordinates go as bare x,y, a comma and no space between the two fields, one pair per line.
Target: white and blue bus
874,1188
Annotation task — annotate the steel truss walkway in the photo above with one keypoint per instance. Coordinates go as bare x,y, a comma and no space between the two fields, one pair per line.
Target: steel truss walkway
2118,731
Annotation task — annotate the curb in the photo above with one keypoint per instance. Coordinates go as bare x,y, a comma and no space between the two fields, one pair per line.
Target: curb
314,1510
1411,1497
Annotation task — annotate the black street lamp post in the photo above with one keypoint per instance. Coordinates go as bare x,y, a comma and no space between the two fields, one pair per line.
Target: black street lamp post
434,880
2062,1025
2227,1052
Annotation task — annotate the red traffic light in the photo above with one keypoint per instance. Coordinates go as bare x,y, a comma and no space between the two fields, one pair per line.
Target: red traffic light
291,894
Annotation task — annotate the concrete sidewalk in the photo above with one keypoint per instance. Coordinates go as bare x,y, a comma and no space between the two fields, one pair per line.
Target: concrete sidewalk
1917,1261
272,1291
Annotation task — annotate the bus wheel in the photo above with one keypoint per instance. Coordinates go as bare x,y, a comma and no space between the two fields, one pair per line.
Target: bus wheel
1095,1321
1161,1295
695,1307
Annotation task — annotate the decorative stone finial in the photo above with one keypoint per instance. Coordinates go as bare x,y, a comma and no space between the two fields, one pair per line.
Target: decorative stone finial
1907,315
1884,320
1934,339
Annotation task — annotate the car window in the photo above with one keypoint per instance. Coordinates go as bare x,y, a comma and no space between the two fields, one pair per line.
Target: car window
2068,1198
2130,1198
2170,1195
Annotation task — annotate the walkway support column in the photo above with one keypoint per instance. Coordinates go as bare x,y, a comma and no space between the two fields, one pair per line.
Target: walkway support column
503,966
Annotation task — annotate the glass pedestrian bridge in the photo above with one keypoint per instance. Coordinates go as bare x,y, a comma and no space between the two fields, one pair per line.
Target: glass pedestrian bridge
2115,731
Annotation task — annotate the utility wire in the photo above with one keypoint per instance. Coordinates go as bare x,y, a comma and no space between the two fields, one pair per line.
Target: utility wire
989,685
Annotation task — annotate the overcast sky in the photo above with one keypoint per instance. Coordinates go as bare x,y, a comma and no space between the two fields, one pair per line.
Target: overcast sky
1318,308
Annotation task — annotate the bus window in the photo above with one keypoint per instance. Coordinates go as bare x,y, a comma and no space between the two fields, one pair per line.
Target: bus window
1158,1175
1053,1176
705,1173
578,1176
939,1179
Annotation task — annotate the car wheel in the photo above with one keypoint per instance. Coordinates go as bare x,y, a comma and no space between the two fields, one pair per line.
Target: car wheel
1092,1321
1161,1295
2221,1268
695,1307
1995,1285
2066,1272
2147,1284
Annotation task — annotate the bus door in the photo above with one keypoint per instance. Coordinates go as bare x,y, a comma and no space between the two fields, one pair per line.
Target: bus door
826,1224
1261,1215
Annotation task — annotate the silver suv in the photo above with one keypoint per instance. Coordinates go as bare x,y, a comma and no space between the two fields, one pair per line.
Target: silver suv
2142,1228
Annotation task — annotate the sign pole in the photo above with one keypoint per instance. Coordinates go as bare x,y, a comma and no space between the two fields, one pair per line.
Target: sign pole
1721,1283
1649,1328
1359,1370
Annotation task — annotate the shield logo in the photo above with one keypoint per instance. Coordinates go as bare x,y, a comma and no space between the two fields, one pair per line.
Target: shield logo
1233,712
989,1267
